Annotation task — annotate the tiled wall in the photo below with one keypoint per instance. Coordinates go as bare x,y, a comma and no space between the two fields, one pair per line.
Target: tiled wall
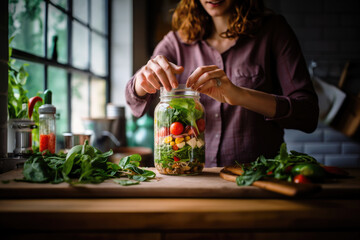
329,33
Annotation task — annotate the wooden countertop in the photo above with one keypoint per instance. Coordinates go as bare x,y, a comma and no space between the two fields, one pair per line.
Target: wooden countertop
206,185
184,217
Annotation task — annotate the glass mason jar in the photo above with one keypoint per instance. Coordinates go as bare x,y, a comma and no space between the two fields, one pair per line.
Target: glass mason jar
179,128
47,125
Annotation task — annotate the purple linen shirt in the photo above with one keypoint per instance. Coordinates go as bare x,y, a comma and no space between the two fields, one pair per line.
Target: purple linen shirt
271,62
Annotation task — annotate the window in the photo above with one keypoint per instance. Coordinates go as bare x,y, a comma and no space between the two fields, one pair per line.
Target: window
65,43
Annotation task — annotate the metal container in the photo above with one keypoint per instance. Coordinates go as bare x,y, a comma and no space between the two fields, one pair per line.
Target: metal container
73,139
21,135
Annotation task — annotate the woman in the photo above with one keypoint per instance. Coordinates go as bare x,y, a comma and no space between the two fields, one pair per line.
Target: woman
248,65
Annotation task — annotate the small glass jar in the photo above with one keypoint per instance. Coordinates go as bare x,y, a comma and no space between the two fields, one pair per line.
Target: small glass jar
47,126
179,131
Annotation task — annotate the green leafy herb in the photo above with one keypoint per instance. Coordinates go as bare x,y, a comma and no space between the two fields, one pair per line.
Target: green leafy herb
278,168
83,164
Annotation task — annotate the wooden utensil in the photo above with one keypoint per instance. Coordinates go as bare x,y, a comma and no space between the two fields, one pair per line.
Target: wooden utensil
278,186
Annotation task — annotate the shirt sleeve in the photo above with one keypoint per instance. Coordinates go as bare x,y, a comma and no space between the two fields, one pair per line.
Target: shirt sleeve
297,105
140,105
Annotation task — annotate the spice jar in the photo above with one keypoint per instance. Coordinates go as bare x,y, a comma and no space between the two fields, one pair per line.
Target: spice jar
47,126
179,132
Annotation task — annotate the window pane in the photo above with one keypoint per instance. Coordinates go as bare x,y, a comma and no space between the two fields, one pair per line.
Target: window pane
80,46
79,102
57,83
57,28
80,10
98,98
98,54
61,3
98,19
26,23
35,81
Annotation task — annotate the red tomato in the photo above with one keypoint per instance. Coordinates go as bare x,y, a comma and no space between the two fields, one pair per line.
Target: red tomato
269,173
174,147
201,124
301,179
176,128
176,159
163,132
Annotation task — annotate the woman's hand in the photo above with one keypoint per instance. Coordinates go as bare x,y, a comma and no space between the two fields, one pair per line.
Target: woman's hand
156,73
212,81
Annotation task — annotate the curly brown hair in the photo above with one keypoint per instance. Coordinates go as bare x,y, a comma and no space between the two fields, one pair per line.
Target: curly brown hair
193,23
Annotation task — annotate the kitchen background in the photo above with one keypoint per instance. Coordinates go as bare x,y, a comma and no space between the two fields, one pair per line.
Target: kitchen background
110,40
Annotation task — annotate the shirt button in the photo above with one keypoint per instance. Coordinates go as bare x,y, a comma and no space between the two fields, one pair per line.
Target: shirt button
217,135
216,115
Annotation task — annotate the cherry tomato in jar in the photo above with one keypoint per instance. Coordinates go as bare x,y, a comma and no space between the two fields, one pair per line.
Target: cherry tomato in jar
163,132
301,179
201,124
176,128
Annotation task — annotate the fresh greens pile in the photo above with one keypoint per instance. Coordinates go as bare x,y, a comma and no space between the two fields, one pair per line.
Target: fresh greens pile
86,164
281,167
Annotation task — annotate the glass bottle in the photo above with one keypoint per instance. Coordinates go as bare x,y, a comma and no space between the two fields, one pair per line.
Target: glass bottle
47,126
179,128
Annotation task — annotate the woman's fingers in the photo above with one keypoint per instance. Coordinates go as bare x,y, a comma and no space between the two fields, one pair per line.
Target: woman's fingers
158,73
212,75
145,84
168,69
200,71
209,84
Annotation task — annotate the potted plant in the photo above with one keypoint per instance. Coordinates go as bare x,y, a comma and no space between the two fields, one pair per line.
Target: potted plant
21,109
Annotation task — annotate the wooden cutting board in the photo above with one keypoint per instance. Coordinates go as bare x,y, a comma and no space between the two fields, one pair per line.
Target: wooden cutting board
206,185
281,187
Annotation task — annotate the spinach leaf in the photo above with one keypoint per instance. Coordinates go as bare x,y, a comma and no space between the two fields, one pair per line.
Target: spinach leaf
36,170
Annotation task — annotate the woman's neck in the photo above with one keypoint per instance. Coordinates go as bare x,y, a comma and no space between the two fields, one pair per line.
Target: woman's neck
215,40
220,26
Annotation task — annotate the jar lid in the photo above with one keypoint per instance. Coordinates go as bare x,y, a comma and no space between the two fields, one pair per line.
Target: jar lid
181,90
47,109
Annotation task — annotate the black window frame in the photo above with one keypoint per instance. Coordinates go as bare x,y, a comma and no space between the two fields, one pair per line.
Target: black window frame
48,62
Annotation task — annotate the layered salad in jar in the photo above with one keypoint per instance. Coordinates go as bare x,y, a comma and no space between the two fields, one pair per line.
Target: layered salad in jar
179,137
